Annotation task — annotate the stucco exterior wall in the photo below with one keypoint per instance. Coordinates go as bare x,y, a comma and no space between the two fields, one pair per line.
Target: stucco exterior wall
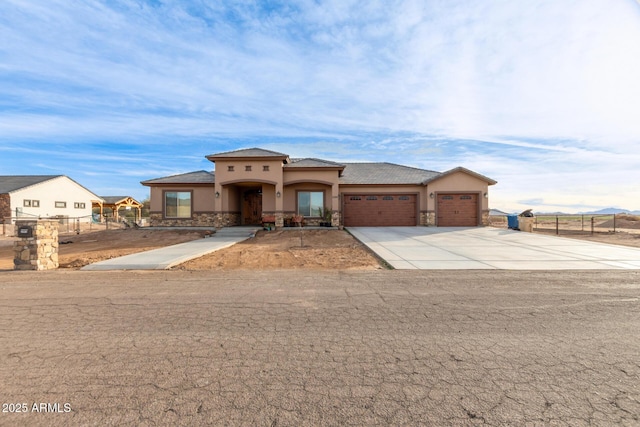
203,199
239,173
155,199
268,198
295,176
458,181
61,189
230,196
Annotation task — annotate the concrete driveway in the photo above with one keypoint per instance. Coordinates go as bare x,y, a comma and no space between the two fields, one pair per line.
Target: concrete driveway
454,248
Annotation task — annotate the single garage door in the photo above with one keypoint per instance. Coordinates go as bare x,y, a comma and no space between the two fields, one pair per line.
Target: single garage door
380,210
457,210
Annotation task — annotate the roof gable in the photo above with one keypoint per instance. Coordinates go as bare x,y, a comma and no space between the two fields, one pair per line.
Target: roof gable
462,170
197,177
247,153
12,183
112,200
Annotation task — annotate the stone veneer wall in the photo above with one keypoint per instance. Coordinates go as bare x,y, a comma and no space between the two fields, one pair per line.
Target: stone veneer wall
5,206
280,216
39,252
485,217
428,218
208,219
336,219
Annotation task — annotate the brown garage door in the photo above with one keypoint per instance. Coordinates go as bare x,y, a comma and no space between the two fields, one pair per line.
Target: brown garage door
379,210
457,210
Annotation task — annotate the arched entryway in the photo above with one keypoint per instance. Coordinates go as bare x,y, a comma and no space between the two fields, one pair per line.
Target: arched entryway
248,201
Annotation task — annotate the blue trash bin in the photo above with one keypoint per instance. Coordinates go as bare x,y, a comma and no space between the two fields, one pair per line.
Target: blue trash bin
512,221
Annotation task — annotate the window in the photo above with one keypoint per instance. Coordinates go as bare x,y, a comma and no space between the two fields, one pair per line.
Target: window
372,197
35,203
247,168
265,168
310,203
403,198
466,197
230,168
355,198
387,198
177,204
61,204
26,203
79,205
447,197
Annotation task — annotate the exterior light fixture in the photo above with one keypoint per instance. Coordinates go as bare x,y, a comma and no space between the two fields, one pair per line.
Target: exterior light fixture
431,195
217,194
278,194
486,195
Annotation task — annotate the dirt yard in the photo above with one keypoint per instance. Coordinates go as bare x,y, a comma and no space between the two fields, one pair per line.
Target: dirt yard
76,251
627,228
620,238
289,249
318,249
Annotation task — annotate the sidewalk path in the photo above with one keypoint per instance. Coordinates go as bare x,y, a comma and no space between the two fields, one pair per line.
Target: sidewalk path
167,257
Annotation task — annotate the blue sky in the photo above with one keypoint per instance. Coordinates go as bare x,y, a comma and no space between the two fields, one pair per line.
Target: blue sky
541,95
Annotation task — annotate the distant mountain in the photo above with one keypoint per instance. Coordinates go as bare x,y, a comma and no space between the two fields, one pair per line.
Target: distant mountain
609,211
550,213
606,211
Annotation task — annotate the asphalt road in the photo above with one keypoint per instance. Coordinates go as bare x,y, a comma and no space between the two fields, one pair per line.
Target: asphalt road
335,348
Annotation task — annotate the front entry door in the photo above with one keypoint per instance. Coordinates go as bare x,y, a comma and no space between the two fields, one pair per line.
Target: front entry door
252,208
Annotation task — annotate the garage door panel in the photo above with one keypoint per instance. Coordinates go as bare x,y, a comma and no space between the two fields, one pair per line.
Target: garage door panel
378,210
457,210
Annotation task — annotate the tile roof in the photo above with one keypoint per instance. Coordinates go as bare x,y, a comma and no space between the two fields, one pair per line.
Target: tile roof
384,173
197,177
9,183
249,152
312,163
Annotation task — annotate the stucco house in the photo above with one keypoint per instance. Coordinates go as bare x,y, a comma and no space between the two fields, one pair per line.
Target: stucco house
44,196
249,184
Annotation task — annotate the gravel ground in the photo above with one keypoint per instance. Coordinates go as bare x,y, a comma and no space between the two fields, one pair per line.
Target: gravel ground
320,348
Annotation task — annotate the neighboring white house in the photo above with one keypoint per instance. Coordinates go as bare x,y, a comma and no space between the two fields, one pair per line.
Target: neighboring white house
44,196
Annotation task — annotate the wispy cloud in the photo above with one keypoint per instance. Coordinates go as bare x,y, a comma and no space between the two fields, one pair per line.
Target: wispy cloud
498,86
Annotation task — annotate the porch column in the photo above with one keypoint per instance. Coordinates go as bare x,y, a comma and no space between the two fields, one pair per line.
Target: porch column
279,205
335,205
217,197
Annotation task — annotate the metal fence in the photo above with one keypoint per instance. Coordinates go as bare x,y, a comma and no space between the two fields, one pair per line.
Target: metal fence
81,224
578,224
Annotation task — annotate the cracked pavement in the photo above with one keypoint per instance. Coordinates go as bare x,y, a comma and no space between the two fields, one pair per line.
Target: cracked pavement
329,348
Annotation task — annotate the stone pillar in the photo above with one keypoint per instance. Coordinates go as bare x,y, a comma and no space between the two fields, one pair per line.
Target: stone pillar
485,217
279,220
428,218
37,247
